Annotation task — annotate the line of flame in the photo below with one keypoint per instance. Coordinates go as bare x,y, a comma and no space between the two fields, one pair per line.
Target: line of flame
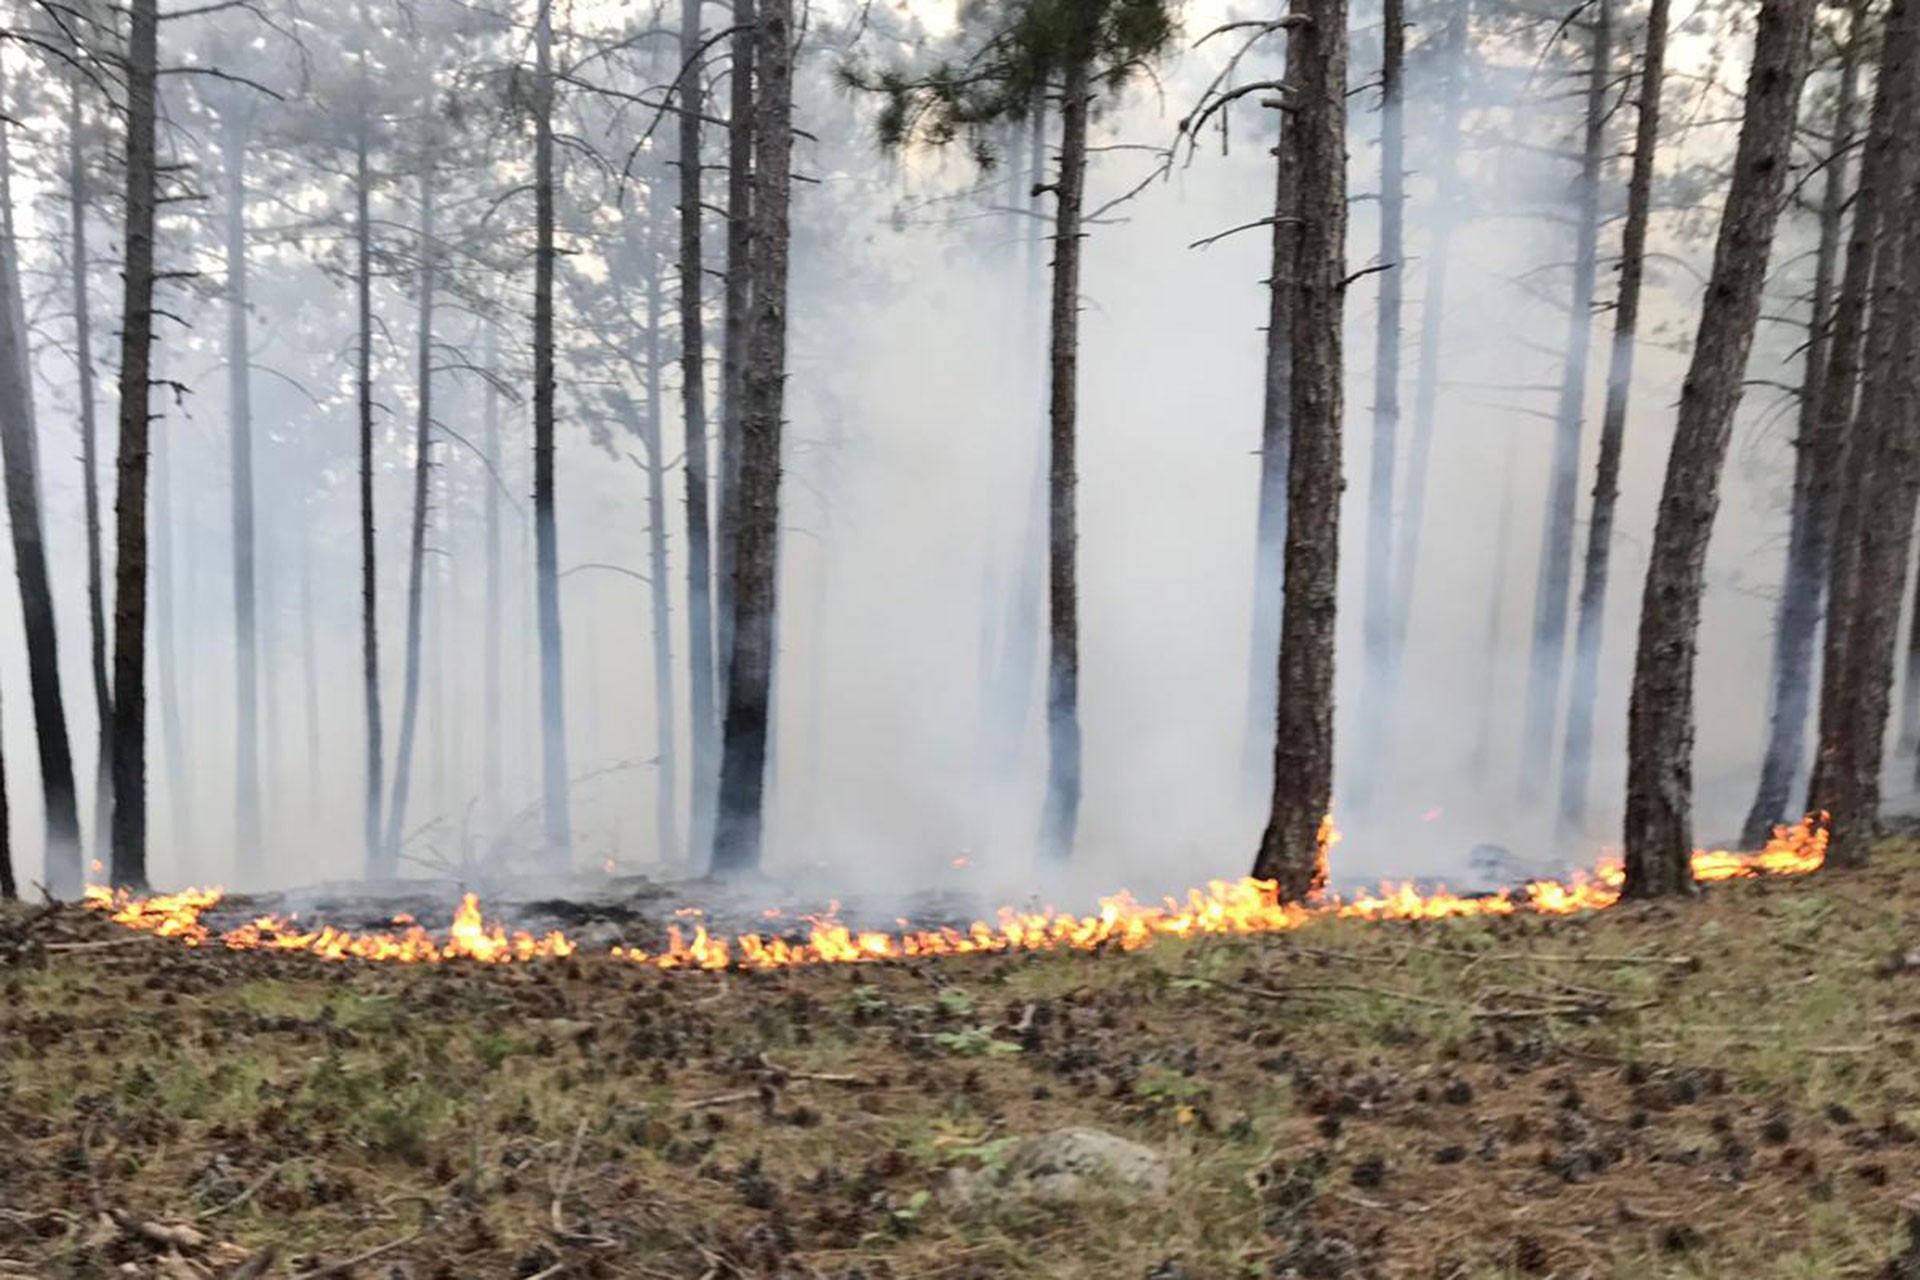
1223,907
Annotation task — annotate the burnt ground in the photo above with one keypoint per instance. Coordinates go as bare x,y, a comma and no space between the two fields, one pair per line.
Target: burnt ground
1720,1088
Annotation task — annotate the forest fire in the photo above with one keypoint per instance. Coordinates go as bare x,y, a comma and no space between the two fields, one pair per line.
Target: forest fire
1243,907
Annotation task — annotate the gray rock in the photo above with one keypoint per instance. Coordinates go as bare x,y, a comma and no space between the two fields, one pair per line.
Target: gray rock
1063,1165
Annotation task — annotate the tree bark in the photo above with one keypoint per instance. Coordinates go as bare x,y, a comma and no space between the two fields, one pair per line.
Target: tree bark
1313,144
78,263
1433,310
666,750
136,357
1276,440
553,726
1577,766
1832,363
1061,816
1376,696
417,538
738,824
235,131
9,889
369,563
693,408
65,872
1563,483
739,297
1877,500
1659,836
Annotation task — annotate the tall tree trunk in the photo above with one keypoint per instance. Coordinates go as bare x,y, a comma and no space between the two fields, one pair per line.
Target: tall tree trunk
78,263
166,656
693,407
1276,440
234,134
739,297
9,889
1061,817
1493,659
738,824
1870,551
1314,149
553,724
65,872
417,538
136,362
666,751
1659,817
309,665
1826,406
491,729
1577,766
1563,484
1433,311
1372,761
369,563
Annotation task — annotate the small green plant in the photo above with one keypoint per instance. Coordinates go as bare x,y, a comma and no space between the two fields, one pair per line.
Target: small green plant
867,1002
974,1042
955,1002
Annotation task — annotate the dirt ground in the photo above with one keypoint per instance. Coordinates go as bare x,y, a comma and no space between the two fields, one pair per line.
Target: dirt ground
1719,1088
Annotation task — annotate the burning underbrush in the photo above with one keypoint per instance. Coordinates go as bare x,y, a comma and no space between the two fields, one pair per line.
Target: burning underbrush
1727,1087
780,940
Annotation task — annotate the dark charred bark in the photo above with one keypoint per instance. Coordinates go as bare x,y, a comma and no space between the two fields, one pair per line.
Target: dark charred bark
79,266
369,577
1577,766
1880,478
1433,310
1659,818
556,825
9,889
1061,815
1314,150
1555,587
20,450
136,362
417,537
739,298
693,411
235,136
1371,762
1832,353
738,825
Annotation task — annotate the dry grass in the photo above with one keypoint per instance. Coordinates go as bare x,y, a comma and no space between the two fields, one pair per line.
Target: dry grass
1723,1088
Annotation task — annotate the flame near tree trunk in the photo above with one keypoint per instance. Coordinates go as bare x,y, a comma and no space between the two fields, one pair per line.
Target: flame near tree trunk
1244,907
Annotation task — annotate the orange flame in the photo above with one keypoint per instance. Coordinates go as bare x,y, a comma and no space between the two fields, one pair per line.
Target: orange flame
1241,907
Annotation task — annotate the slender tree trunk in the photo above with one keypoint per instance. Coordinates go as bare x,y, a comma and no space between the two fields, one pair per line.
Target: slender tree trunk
1826,407
1493,658
136,361
1372,762
1659,819
309,665
1314,149
1276,440
234,138
1877,498
1563,483
693,406
1061,816
1577,766
738,825
417,538
9,889
739,298
65,872
166,659
553,724
1433,311
369,563
78,263
666,751
491,771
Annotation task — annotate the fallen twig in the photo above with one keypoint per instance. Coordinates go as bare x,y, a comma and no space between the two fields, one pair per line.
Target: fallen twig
566,1176
348,1264
1573,1009
1293,989
246,1195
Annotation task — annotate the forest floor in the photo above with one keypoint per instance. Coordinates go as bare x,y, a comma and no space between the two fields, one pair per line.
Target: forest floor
1727,1087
